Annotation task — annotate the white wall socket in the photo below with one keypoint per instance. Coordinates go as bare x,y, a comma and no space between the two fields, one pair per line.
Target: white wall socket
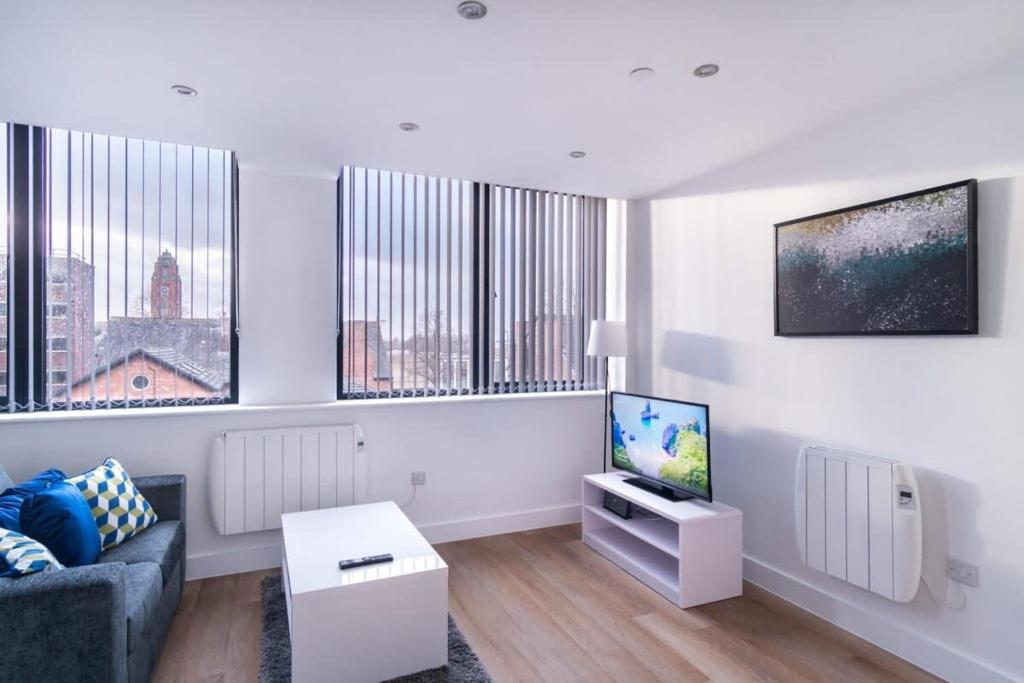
419,478
961,572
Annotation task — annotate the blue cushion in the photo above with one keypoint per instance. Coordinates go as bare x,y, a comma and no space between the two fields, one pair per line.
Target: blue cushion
21,555
12,498
60,519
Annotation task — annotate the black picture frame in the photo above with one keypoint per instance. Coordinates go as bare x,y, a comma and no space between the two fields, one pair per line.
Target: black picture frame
971,267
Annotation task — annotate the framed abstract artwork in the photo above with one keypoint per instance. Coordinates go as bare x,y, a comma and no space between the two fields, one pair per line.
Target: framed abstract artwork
897,266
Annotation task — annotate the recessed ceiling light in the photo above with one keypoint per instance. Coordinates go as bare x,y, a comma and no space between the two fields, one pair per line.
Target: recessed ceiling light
472,9
409,126
641,73
184,90
705,70
577,154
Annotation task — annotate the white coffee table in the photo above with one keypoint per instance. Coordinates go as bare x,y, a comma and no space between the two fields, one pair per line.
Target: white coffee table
370,623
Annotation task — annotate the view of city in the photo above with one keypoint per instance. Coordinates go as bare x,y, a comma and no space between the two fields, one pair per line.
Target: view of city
156,356
138,269
408,320
138,264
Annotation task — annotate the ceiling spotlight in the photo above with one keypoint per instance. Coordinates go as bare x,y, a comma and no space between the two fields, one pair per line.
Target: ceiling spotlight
705,70
184,90
409,126
472,10
641,73
577,154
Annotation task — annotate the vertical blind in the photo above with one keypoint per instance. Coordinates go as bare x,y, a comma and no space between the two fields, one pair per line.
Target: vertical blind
452,287
405,263
131,246
546,263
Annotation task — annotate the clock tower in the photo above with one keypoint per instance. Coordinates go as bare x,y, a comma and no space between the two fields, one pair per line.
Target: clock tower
165,288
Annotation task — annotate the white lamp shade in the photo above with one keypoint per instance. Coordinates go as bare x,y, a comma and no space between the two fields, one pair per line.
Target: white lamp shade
607,339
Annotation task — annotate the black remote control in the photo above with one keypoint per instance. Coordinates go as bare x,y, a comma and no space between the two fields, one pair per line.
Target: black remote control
363,561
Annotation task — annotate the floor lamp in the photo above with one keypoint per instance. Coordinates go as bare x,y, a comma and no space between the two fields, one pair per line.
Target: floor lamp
607,340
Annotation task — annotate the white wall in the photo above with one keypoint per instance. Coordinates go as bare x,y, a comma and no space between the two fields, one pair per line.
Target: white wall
701,285
493,464
288,286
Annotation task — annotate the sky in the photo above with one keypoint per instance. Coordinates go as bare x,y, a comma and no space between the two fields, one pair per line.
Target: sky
367,188
421,228
128,200
118,203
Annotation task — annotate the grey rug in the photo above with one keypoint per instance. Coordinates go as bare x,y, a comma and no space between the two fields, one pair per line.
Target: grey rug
276,648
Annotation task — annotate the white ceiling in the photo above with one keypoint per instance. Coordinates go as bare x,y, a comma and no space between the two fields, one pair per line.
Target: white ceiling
306,85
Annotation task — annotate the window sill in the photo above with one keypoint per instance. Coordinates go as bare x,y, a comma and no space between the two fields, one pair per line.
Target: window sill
434,400
230,409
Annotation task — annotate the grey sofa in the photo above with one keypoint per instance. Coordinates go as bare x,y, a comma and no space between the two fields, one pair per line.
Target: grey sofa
101,622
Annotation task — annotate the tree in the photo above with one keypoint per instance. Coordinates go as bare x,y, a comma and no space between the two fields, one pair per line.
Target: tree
434,359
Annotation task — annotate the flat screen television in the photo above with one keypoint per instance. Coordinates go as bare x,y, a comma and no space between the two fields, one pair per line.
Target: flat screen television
665,443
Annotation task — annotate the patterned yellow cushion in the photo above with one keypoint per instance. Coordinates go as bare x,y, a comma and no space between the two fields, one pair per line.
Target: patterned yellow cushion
21,555
118,508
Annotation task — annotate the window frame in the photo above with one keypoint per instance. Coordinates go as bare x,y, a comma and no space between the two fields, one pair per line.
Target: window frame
27,294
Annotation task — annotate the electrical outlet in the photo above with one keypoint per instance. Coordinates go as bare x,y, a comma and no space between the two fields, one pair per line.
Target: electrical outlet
961,572
419,478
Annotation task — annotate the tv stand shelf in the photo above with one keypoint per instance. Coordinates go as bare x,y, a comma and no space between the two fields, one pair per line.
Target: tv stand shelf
691,552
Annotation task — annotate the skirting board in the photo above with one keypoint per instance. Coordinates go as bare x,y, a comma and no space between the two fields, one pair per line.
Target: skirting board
443,532
915,648
268,555
236,561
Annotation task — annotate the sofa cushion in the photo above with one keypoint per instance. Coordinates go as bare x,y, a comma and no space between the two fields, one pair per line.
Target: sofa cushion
117,506
21,555
60,519
162,543
143,586
12,497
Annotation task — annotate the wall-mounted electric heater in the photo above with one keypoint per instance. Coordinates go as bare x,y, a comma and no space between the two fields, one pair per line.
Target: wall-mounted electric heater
859,520
258,474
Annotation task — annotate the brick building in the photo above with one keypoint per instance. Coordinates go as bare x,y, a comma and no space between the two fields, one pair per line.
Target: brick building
364,358
161,355
70,321
3,323
148,374
165,288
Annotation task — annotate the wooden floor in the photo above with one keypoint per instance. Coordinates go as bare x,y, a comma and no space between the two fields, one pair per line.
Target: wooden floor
541,606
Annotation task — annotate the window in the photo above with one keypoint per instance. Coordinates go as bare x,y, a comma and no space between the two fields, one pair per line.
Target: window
448,287
131,247
140,382
545,272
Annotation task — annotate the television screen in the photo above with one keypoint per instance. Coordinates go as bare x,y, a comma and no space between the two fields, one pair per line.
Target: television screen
661,440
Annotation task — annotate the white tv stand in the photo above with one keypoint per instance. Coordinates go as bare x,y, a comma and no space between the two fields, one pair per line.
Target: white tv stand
691,552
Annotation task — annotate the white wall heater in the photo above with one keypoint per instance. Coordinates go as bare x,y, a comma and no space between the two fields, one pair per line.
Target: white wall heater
258,474
859,520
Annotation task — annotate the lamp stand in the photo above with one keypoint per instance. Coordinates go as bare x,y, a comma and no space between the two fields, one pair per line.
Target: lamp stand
607,410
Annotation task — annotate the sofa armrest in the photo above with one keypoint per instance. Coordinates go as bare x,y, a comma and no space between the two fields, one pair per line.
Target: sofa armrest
65,625
166,493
